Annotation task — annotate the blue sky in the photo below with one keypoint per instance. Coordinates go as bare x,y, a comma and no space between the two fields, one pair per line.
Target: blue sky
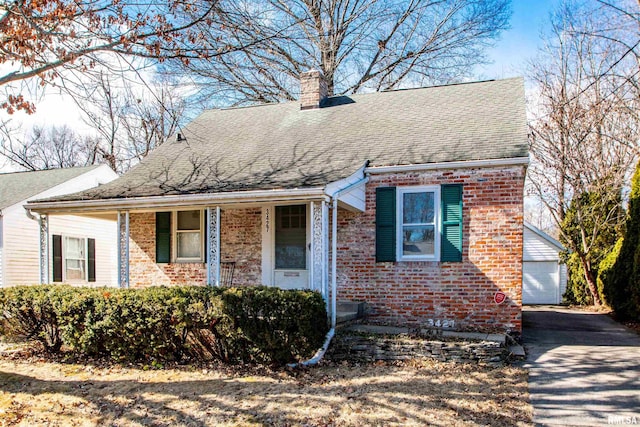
520,43
509,56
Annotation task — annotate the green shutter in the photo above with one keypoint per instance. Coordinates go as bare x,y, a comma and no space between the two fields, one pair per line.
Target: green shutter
451,231
91,257
163,237
385,224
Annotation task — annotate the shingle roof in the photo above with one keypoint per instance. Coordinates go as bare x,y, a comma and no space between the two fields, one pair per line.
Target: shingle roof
18,186
279,146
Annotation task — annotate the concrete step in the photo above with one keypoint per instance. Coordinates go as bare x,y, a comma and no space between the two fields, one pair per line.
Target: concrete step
346,316
350,307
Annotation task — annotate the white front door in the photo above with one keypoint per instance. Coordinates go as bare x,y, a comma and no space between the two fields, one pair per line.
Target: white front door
290,247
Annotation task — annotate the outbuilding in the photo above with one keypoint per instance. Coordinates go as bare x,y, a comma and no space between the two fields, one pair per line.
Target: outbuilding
544,277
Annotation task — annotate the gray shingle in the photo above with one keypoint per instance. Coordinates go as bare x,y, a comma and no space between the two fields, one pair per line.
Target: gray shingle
18,186
279,146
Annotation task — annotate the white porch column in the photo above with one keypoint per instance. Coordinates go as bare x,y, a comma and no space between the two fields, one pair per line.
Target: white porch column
318,248
325,252
43,223
123,249
213,246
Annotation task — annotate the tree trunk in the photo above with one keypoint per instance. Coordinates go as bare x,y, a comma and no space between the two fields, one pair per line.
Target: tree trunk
591,281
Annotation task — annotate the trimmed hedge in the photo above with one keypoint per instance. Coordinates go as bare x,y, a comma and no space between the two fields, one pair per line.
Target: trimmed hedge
234,325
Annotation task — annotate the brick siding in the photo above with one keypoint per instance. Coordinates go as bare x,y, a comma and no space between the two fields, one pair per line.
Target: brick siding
457,295
432,294
240,241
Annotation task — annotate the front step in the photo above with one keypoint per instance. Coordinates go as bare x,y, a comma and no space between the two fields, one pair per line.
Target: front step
346,311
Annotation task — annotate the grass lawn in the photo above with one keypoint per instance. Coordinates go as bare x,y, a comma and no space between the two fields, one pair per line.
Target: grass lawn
34,391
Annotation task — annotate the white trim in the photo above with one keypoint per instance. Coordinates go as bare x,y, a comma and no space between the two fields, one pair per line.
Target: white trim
400,191
464,164
174,237
341,185
544,235
64,238
334,260
268,222
194,201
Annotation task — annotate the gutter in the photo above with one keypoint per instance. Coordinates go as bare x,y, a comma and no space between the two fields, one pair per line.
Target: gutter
511,161
191,200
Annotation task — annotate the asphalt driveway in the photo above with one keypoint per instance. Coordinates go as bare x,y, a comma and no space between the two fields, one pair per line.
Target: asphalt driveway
584,368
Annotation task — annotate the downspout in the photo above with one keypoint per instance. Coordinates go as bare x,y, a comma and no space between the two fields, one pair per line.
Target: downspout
334,283
30,215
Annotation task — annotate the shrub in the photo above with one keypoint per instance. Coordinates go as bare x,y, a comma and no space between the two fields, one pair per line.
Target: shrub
264,325
275,325
30,313
608,292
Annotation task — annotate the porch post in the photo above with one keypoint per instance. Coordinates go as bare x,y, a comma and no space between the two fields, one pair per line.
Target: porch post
213,246
123,249
317,248
325,252
43,223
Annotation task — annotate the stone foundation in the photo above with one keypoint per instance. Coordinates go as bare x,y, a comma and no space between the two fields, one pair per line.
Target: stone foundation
358,347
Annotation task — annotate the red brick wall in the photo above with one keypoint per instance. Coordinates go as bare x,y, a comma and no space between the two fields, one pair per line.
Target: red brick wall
456,295
240,241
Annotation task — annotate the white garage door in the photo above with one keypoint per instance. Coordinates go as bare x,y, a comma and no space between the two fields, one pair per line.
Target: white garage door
540,282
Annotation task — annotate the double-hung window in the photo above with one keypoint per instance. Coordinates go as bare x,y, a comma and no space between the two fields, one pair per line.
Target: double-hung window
180,236
189,236
418,231
75,258
419,223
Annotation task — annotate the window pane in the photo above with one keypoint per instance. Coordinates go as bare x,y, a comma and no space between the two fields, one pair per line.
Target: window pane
74,248
418,240
418,208
291,237
75,270
189,220
188,244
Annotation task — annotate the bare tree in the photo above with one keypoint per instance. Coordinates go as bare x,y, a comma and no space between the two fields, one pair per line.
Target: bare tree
130,119
151,118
359,45
583,138
39,39
48,148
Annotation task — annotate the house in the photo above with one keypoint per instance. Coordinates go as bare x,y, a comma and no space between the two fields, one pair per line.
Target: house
409,200
77,249
544,277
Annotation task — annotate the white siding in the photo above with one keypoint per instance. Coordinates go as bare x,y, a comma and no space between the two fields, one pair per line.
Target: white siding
20,251
104,231
21,234
563,280
538,249
0,251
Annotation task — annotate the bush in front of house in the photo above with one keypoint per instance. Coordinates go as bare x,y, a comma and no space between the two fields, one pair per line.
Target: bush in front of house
253,324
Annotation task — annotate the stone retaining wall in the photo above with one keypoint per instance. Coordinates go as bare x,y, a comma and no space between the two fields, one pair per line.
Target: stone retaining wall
369,348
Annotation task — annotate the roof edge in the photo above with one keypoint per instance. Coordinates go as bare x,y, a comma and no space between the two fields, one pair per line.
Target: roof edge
173,201
544,235
463,164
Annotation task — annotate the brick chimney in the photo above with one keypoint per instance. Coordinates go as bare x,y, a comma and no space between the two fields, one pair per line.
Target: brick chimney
313,90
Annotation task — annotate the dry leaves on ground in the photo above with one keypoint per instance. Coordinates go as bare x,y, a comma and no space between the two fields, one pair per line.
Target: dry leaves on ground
40,392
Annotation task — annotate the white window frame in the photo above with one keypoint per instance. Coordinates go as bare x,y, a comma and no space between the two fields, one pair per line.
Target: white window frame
400,192
174,237
64,238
